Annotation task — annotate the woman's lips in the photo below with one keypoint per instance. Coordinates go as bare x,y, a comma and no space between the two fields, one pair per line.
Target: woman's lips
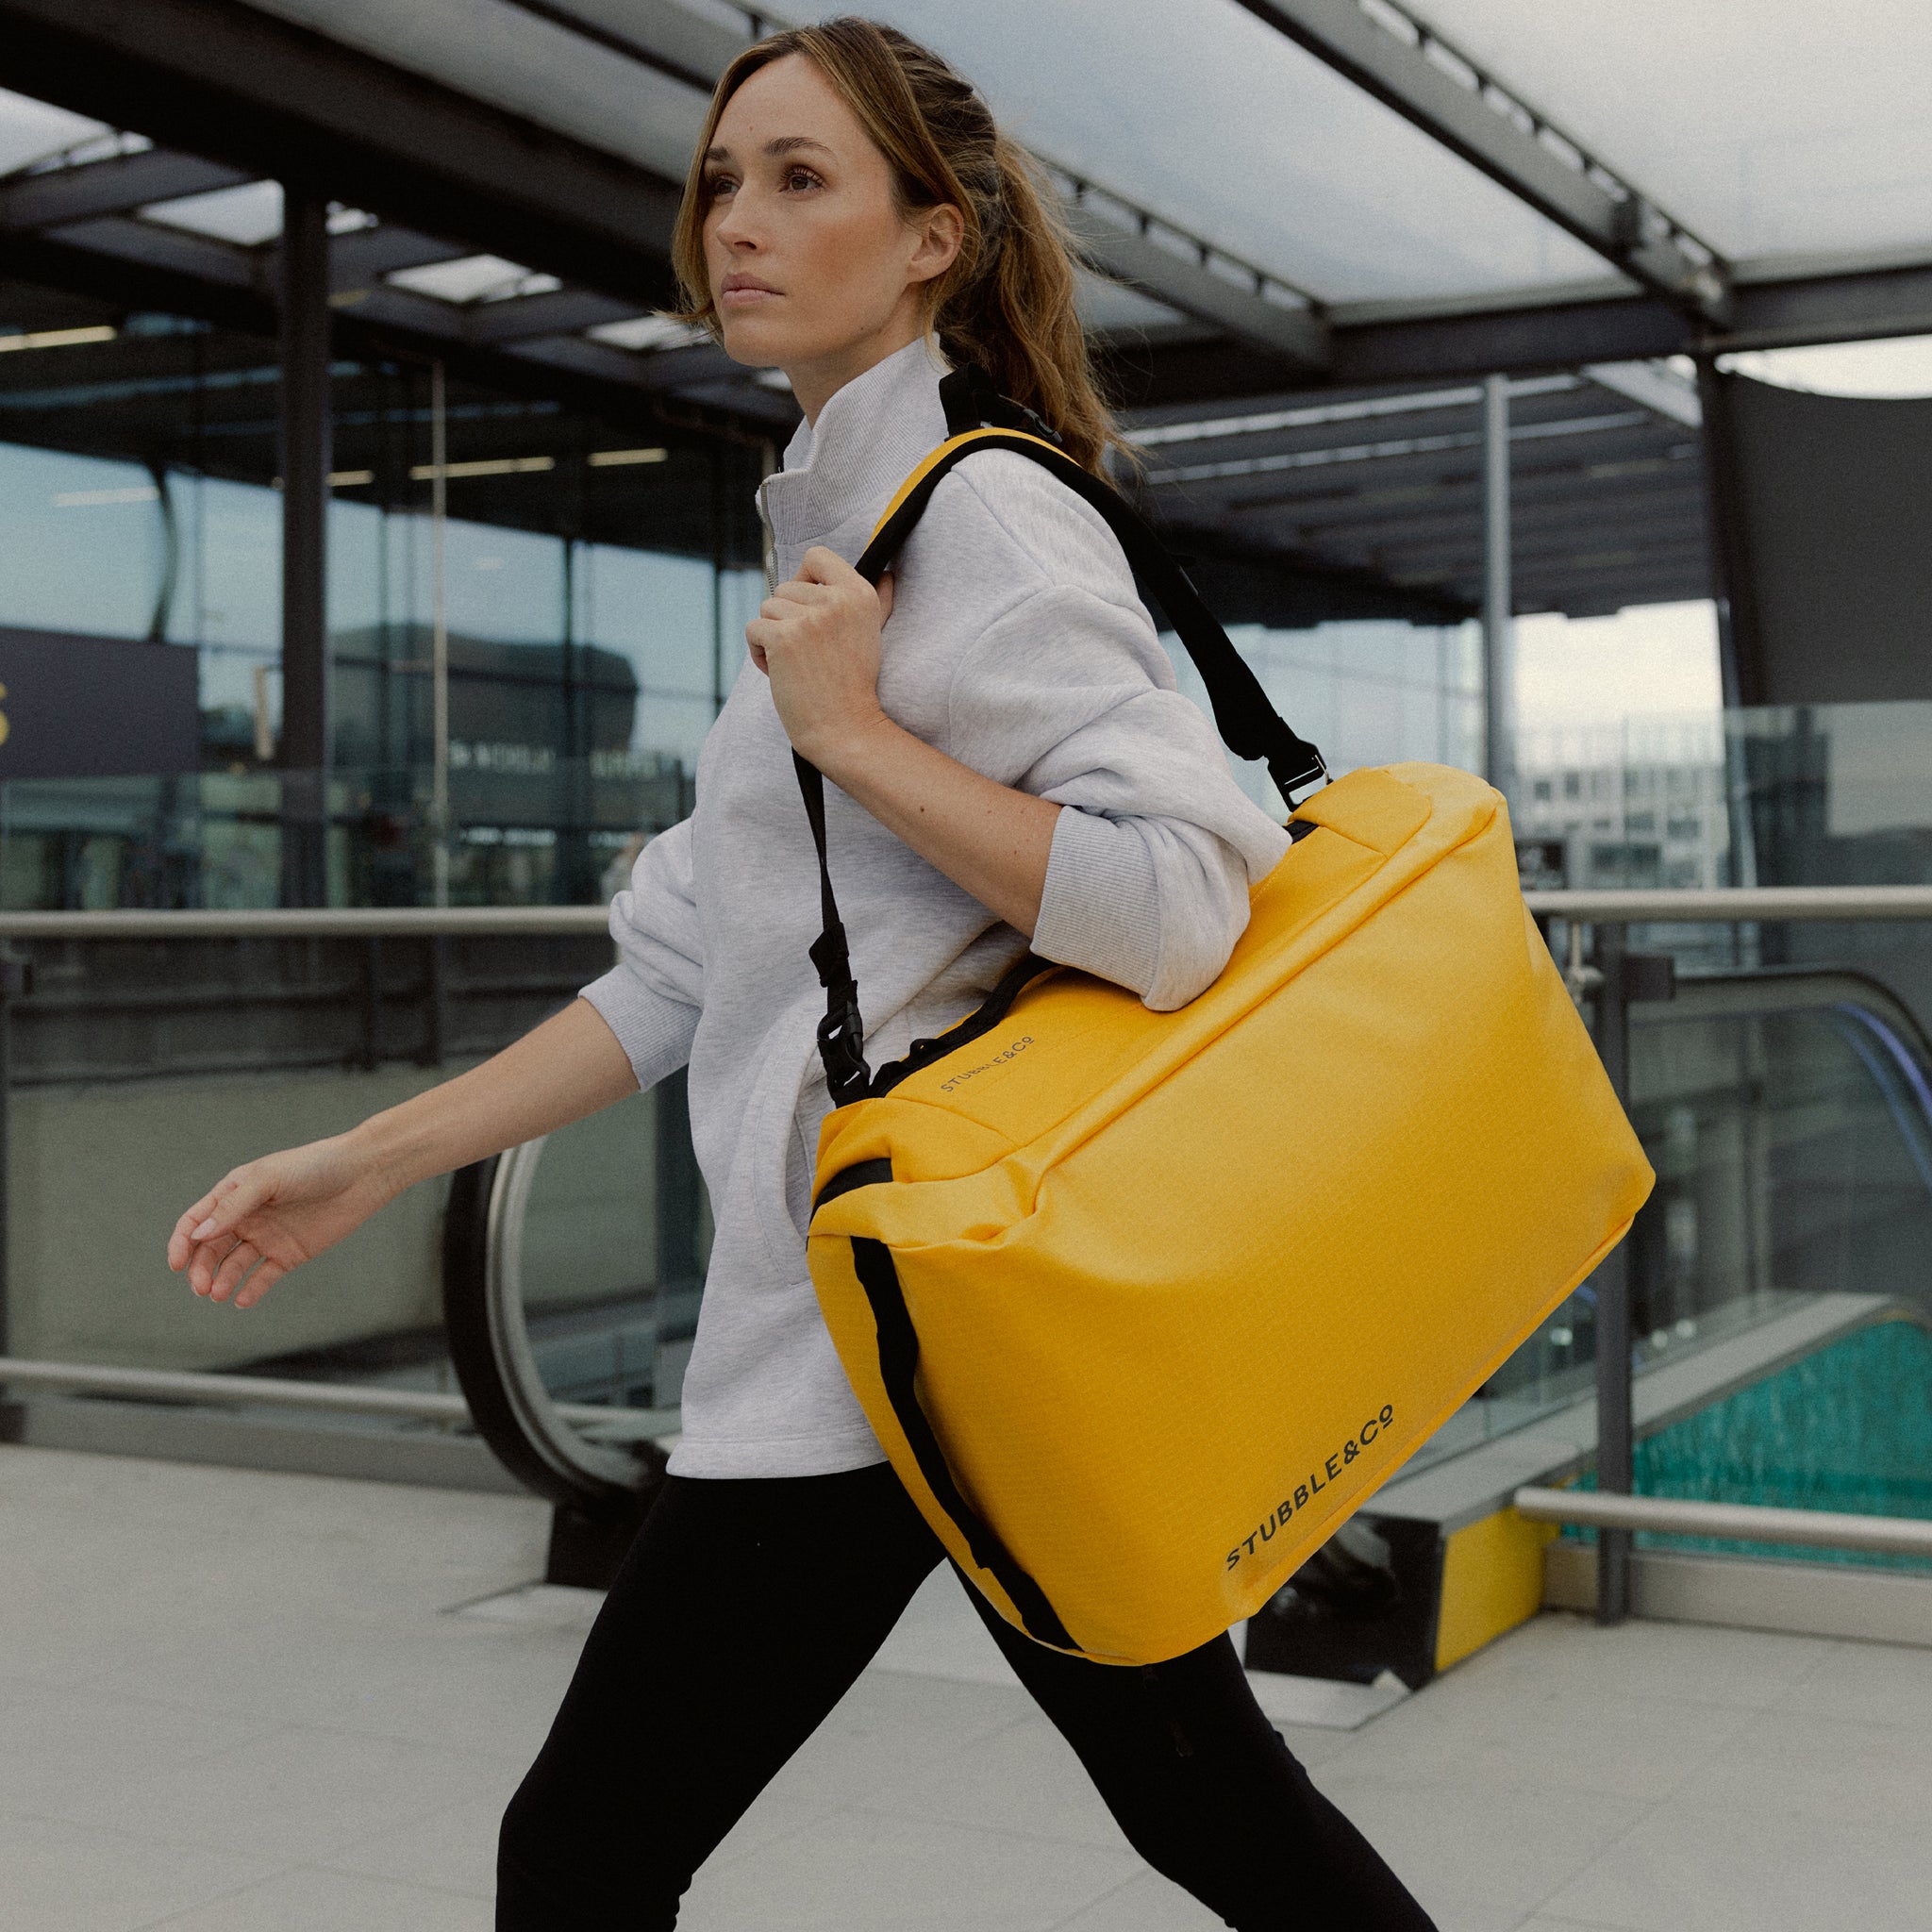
746,295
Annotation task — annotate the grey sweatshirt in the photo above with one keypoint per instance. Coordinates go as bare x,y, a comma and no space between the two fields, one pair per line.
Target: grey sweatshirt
1017,646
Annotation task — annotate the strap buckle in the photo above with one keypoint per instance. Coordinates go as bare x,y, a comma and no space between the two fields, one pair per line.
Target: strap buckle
841,1049
1313,773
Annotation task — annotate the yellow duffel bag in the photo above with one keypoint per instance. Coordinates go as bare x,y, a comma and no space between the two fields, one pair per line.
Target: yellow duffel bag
1142,1305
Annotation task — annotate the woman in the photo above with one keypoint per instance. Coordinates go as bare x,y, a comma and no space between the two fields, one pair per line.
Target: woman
1009,761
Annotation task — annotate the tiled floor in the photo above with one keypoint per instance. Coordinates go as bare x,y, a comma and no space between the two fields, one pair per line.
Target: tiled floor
233,1701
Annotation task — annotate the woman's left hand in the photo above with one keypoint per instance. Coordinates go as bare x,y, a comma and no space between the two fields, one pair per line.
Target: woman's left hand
817,639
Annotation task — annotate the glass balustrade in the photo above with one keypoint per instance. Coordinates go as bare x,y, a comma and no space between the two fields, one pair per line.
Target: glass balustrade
1789,1117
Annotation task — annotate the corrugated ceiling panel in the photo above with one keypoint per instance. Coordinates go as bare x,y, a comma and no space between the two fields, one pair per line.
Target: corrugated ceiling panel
1200,112
1776,127
526,65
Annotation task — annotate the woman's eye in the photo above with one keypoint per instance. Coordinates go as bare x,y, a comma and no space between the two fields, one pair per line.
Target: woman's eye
716,184
802,177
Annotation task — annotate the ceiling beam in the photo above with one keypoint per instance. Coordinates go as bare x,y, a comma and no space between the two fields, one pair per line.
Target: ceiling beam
1872,302
226,79
556,312
1134,256
674,374
1458,509
659,33
176,251
112,187
120,283
366,254
1605,528
1404,64
1562,336
1432,345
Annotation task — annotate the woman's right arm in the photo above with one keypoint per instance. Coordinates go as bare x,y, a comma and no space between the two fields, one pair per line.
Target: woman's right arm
274,1213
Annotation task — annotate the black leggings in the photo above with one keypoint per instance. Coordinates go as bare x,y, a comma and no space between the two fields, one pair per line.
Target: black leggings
744,1611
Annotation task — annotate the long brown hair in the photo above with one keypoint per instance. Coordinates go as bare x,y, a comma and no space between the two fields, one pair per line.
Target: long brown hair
1007,302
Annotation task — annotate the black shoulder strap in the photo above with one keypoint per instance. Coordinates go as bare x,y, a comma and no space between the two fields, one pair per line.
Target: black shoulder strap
1248,723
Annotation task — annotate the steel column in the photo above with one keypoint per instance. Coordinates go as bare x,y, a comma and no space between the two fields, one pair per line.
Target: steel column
16,981
1740,652
439,633
305,463
1499,644
1612,1281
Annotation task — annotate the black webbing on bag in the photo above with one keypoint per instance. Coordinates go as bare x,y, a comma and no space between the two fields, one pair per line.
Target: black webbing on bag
898,1359
1248,723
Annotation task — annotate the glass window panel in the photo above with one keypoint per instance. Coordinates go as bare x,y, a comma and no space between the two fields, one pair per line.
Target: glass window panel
741,593
652,608
84,543
502,584
229,592
675,727
1367,693
359,592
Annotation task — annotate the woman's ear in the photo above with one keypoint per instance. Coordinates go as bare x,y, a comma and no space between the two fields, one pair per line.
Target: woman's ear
941,229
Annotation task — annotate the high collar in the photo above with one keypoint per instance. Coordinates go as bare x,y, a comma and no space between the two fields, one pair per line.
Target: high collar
838,478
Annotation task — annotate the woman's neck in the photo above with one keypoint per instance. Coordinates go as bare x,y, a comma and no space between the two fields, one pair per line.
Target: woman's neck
815,383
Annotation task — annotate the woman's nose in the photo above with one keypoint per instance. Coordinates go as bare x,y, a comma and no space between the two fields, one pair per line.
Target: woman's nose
735,229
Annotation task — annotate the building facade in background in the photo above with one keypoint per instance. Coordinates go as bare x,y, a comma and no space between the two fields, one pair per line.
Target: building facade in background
1641,804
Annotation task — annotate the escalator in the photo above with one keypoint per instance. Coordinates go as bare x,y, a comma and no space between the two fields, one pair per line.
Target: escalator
1781,1294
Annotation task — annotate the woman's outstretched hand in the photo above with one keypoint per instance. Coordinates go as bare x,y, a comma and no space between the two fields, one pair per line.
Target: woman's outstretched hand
817,639
272,1214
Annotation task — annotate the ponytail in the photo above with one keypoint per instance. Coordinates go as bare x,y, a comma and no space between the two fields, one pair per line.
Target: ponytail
1007,302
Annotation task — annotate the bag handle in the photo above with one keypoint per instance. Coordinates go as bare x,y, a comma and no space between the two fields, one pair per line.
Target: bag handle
978,417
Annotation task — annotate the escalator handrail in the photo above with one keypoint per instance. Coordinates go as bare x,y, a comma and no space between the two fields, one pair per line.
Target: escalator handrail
489,1347
1882,1032
1768,990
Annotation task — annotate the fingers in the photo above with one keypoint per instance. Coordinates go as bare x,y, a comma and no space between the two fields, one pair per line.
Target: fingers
819,565
181,1242
204,1241
233,1268
260,1283
798,594
207,1260
236,1199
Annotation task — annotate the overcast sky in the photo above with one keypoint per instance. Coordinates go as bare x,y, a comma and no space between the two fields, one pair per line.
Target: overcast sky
1659,661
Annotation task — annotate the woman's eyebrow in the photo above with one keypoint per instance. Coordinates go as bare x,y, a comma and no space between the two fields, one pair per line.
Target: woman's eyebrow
783,145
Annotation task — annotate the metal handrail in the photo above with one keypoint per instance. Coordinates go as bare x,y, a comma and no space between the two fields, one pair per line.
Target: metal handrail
1720,905
334,921
1821,1529
1731,905
421,1404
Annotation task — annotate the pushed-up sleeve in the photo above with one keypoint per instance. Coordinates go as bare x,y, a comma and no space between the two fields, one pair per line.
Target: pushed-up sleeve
652,997
1070,696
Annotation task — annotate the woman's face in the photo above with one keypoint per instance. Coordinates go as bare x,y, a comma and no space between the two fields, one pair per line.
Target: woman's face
813,268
